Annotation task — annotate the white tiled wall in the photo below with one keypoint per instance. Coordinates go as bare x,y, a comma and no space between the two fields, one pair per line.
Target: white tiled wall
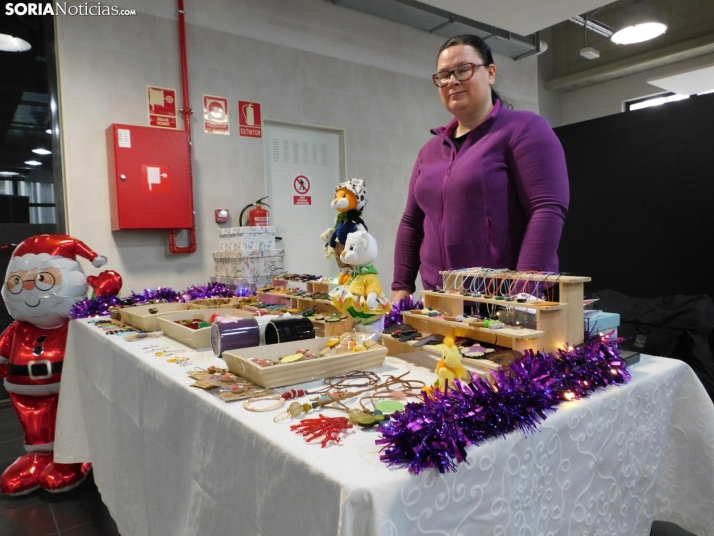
107,62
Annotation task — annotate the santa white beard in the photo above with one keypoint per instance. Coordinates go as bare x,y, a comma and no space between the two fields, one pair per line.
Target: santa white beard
48,309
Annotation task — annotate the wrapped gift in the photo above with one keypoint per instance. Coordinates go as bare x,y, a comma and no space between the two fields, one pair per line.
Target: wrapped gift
249,264
247,239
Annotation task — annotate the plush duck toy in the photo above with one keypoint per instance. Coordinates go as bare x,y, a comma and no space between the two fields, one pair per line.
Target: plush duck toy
361,296
449,366
350,200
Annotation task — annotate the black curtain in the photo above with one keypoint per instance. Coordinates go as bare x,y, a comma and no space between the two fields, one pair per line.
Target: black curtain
641,217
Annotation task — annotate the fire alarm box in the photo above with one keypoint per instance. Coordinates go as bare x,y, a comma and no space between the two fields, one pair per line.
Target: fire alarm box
149,178
223,215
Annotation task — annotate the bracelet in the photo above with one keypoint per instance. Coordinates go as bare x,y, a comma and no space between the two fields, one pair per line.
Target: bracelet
248,403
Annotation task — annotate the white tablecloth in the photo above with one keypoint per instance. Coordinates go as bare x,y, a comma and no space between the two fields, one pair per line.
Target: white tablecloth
173,460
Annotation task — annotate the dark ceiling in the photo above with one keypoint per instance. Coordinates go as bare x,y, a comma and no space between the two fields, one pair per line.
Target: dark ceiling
25,100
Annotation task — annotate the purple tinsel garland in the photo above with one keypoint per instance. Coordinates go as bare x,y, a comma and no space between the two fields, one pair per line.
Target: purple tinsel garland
211,290
435,433
159,294
99,305
405,304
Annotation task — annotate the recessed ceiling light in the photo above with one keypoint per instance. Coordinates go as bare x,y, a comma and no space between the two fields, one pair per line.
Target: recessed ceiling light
638,22
9,43
8,173
49,131
639,33
41,151
33,163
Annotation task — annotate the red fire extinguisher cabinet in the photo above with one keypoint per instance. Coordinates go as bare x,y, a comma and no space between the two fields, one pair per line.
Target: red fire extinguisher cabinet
149,178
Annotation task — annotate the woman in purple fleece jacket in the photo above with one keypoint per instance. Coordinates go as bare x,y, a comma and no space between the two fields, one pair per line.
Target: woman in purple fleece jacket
490,189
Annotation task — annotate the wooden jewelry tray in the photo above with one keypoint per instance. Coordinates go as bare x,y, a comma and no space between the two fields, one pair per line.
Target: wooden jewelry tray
239,362
195,338
141,318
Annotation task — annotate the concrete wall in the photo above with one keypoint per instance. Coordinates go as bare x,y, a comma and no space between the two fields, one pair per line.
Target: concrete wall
603,99
307,61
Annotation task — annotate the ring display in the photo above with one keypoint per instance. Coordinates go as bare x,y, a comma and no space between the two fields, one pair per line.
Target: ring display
234,334
295,328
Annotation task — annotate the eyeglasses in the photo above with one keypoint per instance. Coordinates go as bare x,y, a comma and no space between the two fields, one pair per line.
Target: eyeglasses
43,282
462,73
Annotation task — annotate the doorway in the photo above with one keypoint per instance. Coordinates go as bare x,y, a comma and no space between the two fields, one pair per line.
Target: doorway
303,167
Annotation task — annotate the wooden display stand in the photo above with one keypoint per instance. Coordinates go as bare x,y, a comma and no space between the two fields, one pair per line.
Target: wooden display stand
322,327
559,323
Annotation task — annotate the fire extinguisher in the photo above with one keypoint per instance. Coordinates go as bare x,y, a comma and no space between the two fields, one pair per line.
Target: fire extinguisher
258,217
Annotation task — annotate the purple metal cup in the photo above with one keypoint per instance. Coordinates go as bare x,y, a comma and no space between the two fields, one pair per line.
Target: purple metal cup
233,334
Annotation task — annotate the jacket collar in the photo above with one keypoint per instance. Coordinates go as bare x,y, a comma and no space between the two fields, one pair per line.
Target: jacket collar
448,130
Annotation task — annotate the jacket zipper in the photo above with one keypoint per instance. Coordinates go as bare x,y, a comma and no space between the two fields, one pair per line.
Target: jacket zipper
491,243
442,249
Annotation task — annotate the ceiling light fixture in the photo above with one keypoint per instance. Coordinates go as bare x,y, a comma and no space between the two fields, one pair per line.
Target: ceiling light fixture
48,131
41,151
13,36
33,163
590,53
8,173
638,22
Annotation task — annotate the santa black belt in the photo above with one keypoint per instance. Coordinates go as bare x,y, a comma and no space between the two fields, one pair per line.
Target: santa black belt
41,369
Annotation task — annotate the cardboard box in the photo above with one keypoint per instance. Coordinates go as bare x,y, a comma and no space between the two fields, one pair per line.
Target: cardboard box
602,323
240,282
239,362
246,238
146,317
195,338
249,265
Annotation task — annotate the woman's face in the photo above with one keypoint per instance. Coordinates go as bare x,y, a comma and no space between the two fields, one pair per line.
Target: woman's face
472,96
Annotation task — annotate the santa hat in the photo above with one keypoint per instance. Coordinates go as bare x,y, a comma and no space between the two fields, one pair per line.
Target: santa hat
59,246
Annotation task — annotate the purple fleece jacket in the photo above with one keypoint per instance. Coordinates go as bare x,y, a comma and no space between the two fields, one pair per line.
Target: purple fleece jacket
500,202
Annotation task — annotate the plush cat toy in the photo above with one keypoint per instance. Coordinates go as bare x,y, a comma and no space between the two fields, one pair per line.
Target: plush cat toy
350,200
362,297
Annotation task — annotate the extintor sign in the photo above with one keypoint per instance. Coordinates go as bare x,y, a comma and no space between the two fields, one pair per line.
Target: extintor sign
250,119
156,179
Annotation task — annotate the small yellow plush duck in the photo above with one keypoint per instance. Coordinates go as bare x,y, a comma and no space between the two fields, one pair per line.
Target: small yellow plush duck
449,366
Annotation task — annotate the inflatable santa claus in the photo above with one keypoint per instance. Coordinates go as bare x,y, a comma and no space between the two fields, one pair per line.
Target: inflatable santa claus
43,282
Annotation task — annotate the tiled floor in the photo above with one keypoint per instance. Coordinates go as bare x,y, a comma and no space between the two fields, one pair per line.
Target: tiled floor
79,512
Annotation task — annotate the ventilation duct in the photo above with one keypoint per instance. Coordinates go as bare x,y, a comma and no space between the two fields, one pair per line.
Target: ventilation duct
440,22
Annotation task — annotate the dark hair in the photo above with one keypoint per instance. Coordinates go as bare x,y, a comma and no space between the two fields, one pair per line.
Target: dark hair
479,45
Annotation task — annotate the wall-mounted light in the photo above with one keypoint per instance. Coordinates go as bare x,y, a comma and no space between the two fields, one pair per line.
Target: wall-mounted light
638,22
13,36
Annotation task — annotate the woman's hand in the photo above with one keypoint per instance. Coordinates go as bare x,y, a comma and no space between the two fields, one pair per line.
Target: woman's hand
399,295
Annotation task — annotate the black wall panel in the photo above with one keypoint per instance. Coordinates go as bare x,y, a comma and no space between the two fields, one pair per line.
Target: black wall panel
641,217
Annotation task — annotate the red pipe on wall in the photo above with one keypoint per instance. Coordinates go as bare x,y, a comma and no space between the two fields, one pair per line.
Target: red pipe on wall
186,112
